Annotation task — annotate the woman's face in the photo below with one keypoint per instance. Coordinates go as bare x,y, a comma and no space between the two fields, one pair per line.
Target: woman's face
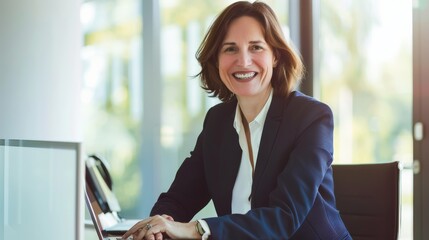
245,60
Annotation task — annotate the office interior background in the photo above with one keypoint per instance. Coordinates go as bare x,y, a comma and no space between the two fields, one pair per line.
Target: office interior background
138,106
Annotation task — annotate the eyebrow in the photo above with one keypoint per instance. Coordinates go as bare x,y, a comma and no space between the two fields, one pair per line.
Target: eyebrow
251,42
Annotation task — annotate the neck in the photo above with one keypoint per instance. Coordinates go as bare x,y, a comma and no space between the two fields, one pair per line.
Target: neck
252,106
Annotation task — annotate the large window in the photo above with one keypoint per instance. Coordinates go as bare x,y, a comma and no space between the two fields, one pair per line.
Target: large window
365,75
112,91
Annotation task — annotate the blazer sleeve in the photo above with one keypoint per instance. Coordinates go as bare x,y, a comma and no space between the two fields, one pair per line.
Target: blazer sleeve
297,184
189,192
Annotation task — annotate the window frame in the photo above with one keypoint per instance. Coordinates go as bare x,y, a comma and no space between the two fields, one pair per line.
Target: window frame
420,115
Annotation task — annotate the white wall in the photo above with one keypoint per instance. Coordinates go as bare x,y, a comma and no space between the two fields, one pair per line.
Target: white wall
40,75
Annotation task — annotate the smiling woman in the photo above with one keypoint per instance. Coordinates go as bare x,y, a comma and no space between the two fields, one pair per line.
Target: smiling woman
246,63
263,40
186,21
264,155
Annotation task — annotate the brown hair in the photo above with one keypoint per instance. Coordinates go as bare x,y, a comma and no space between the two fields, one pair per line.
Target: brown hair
289,67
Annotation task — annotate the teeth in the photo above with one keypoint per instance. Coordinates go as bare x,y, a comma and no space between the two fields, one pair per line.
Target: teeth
244,75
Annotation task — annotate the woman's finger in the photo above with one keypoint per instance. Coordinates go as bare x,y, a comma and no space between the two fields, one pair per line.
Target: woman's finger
152,233
143,229
141,235
158,236
136,228
168,217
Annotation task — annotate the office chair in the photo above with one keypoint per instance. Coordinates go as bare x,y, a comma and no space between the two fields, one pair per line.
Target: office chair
367,196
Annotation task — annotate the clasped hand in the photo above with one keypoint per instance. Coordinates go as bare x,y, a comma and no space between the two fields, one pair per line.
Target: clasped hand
156,227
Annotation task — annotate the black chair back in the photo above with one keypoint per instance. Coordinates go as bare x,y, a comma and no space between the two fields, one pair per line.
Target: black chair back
367,196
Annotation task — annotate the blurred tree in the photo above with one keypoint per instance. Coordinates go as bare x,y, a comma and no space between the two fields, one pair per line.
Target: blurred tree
378,104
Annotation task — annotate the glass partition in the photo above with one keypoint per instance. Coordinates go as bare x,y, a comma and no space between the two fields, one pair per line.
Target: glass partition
40,190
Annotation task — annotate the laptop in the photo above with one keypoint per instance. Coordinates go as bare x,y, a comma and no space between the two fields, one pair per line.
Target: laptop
101,202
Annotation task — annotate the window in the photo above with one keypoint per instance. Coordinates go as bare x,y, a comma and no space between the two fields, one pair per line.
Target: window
112,91
365,75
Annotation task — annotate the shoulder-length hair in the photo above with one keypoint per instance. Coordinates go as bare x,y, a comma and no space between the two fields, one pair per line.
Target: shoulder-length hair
289,67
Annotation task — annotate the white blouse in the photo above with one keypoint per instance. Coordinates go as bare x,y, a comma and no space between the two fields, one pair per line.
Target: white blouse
243,183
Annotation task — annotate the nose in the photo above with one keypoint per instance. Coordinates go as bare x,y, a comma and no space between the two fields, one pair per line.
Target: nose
244,59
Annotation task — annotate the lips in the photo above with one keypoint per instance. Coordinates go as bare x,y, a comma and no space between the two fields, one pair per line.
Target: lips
244,75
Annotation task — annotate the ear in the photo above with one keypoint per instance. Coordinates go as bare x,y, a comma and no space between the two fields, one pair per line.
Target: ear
275,62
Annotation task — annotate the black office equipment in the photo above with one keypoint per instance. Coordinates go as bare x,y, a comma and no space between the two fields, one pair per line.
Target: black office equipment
367,196
101,202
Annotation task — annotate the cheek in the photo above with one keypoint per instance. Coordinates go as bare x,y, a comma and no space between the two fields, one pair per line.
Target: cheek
223,70
225,63
269,61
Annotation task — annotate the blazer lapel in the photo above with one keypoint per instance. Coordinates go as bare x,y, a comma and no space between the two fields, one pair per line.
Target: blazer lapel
268,138
229,161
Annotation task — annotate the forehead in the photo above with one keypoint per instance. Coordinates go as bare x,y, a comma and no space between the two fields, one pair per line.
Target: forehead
244,28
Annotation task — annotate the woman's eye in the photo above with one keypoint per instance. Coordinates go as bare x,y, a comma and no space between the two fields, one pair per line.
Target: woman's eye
229,49
256,48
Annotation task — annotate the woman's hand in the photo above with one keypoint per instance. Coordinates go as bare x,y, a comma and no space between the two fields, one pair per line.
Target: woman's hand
154,227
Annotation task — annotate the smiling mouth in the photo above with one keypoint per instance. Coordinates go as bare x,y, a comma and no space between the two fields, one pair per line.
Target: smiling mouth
244,76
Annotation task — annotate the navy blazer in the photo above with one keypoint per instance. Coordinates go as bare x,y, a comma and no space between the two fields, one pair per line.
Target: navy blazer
292,193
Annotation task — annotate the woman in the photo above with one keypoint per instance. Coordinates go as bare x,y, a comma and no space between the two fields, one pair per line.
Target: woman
264,155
